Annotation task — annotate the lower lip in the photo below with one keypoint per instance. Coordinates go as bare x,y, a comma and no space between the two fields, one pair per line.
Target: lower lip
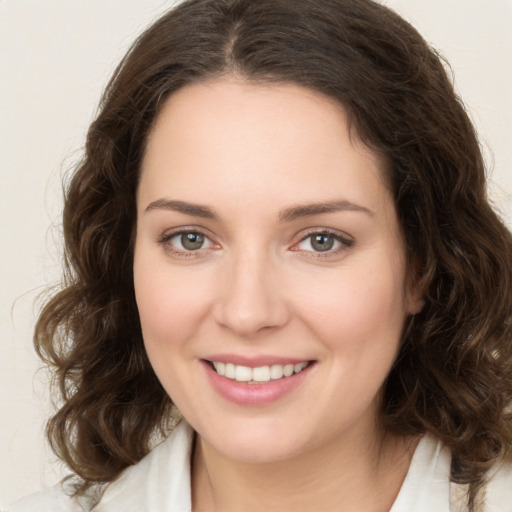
243,393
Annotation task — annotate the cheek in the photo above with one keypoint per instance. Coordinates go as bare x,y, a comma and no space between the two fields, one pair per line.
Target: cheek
170,306
170,313
358,309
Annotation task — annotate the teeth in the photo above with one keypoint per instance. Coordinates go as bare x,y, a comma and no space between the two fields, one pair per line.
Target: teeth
299,367
243,373
230,371
220,368
276,371
259,374
288,370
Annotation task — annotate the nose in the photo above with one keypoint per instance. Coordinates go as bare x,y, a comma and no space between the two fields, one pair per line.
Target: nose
252,298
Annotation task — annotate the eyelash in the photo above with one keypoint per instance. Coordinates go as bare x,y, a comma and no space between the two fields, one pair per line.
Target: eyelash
344,243
165,241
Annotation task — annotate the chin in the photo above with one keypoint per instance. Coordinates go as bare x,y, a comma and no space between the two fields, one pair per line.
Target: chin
256,441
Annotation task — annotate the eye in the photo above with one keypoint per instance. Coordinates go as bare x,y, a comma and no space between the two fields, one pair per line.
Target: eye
189,241
323,242
186,241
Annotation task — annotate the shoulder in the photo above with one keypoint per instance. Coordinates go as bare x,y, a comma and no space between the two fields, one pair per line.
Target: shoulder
495,496
159,482
52,499
498,492
427,486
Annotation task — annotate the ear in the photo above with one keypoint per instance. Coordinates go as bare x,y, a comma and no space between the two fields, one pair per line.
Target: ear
415,302
414,290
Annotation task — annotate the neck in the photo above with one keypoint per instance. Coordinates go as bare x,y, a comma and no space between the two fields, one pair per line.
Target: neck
351,474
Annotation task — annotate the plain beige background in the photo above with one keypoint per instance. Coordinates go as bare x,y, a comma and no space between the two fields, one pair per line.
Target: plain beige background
55,58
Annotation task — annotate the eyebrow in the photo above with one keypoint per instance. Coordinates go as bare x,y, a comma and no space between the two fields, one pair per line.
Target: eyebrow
196,210
308,210
286,215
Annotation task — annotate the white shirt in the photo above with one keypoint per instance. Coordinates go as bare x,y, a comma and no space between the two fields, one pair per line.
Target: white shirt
160,482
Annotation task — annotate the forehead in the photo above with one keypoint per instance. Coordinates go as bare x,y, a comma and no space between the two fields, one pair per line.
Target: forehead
282,141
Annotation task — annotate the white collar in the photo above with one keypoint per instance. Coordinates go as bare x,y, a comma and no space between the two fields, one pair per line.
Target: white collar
427,484
160,482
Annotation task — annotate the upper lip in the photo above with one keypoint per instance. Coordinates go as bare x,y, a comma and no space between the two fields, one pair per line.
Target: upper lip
254,361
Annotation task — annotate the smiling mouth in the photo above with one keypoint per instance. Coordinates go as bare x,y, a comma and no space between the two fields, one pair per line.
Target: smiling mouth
258,375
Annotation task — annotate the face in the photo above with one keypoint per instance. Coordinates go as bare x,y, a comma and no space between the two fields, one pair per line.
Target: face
270,273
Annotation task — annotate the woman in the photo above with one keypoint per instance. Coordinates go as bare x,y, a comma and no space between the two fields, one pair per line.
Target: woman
280,229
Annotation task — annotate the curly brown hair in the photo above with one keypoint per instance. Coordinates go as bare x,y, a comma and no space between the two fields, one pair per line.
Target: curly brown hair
453,376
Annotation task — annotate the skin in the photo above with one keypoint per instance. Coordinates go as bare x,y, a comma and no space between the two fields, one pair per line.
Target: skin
258,287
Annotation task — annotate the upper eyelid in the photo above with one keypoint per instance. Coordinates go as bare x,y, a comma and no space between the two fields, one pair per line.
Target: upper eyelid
172,232
299,237
164,240
344,240
326,231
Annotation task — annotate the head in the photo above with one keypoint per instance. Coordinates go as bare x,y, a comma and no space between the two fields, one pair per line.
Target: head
400,107
267,237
